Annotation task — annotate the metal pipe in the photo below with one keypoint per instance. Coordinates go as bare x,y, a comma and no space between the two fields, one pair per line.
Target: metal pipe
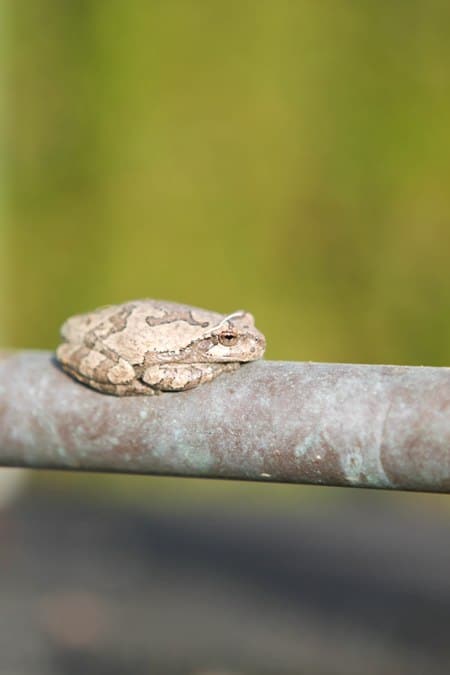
326,424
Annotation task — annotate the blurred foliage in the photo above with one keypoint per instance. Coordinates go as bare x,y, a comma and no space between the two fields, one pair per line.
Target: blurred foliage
292,158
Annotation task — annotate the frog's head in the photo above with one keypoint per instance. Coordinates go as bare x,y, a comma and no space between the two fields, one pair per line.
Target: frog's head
235,338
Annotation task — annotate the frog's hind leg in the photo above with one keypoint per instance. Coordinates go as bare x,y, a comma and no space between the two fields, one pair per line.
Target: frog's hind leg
111,376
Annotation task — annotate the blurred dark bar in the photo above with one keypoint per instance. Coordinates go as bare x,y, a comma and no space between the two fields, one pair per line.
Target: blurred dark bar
325,424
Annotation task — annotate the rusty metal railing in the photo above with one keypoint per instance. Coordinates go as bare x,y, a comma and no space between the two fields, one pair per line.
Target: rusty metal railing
318,423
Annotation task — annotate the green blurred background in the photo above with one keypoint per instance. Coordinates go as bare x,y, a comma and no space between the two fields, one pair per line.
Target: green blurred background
288,157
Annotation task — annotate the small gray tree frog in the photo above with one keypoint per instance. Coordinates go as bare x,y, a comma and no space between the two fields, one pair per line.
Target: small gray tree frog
149,346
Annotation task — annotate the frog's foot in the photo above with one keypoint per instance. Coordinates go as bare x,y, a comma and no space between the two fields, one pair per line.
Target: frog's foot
100,372
180,376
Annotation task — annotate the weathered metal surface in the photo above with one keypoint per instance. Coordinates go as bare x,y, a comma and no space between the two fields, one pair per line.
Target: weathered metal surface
327,424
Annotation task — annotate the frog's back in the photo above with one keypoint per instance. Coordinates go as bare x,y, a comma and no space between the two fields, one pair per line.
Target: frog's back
138,328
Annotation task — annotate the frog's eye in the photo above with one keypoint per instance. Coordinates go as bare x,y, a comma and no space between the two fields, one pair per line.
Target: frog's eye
228,339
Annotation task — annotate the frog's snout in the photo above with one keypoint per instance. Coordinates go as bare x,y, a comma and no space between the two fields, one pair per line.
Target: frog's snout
258,347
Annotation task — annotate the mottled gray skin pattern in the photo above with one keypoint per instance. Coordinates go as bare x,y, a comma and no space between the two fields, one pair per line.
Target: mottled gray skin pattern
149,346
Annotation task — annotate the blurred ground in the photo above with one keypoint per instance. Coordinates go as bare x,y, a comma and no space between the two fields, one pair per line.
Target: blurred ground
91,588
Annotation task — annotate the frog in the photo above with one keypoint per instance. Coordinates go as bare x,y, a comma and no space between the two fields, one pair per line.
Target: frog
147,347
